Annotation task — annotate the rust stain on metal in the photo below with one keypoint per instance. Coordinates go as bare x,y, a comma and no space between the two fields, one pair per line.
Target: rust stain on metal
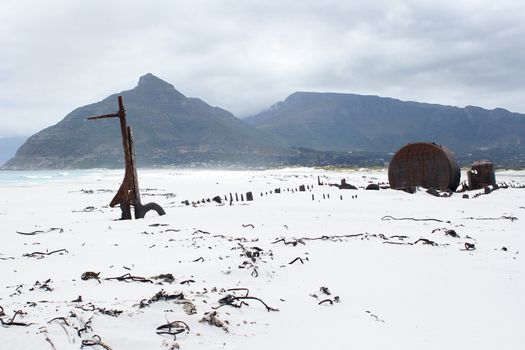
128,194
424,164
481,175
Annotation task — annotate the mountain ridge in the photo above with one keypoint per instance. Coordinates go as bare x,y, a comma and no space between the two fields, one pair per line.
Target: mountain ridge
307,128
168,127
343,122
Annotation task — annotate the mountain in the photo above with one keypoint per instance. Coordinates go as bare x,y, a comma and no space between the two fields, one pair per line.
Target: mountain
168,128
305,129
349,122
9,145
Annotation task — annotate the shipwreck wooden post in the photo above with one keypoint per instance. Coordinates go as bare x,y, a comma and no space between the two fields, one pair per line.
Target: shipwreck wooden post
128,194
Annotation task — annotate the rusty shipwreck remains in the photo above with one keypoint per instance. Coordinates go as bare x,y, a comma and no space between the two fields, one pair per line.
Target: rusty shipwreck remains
424,164
128,194
481,175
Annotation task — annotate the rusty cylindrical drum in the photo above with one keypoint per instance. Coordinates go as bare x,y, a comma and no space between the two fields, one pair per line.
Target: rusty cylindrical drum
424,164
481,175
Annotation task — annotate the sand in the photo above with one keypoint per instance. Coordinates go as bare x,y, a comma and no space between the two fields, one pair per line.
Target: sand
343,272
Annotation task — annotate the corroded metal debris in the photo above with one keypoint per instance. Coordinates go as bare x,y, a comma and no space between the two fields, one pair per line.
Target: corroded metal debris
481,175
426,165
128,194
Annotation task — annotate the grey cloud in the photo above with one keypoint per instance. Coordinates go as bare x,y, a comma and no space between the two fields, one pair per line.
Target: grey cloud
246,55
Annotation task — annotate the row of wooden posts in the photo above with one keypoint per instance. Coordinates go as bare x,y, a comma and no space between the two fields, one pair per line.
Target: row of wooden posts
248,196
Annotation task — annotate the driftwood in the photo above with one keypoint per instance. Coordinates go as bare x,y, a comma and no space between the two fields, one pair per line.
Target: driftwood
41,254
102,310
231,238
18,289
188,282
159,296
43,285
252,253
61,230
212,319
84,326
170,230
164,277
202,232
400,237
426,241
88,275
63,319
294,242
88,307
109,312
12,321
127,277
451,233
88,209
503,217
239,289
294,260
229,300
325,290
389,217
173,328
94,341
398,243
334,238
469,246
92,191
238,301
422,240
375,317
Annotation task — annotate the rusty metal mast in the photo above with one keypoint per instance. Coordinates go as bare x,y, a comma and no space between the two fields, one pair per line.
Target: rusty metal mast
128,194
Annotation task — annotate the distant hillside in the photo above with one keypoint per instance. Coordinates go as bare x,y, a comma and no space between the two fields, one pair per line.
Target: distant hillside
169,129
305,129
9,145
348,122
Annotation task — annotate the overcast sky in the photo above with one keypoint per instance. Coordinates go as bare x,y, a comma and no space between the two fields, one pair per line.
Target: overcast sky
243,55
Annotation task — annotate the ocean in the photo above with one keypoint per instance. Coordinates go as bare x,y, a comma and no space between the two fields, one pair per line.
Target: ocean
32,177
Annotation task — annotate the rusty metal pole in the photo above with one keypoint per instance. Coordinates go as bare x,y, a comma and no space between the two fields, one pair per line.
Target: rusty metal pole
128,194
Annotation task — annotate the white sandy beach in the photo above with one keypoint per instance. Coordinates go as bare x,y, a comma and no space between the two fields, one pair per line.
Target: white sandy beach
391,293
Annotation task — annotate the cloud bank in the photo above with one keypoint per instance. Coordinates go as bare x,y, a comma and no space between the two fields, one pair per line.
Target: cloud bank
246,55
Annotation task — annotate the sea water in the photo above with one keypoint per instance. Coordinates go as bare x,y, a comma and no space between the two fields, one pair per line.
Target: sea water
32,177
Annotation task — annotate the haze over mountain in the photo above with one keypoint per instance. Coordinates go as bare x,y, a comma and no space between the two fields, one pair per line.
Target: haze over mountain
9,145
305,129
348,122
168,128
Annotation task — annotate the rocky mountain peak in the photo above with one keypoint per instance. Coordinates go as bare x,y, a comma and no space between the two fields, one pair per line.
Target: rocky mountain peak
168,128
156,86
